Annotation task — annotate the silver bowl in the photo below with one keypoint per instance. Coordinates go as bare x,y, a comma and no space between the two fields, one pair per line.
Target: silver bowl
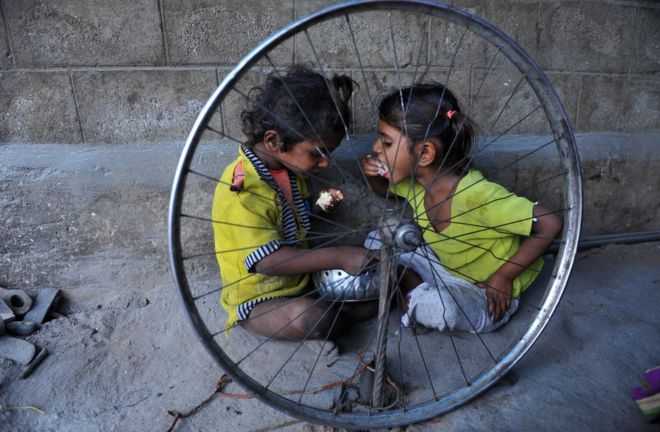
338,285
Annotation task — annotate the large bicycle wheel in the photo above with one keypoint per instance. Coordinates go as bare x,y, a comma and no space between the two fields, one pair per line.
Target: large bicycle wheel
526,144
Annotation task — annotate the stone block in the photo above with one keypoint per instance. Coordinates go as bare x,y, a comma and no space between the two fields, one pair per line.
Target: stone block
21,328
87,32
45,301
334,46
515,18
17,300
619,104
646,58
6,314
578,36
380,83
453,44
134,106
5,52
221,33
37,107
507,103
16,349
235,102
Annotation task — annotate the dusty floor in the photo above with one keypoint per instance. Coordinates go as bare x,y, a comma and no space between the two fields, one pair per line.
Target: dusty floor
120,360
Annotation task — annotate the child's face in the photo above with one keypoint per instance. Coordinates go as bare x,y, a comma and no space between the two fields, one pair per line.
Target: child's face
391,149
310,156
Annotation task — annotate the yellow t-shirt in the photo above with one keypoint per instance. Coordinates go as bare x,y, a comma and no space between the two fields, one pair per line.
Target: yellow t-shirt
487,222
251,224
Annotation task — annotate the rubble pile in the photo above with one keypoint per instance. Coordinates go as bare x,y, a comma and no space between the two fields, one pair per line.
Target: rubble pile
21,315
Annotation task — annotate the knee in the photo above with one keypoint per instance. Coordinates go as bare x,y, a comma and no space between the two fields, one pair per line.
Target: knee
307,319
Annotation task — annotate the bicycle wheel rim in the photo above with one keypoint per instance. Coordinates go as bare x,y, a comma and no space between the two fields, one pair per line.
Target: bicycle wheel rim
563,135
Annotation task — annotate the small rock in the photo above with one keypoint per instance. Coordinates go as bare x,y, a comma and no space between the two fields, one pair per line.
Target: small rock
16,349
6,314
16,299
22,328
46,299
33,365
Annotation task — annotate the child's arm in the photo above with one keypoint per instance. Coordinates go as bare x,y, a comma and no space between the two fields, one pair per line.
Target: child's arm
500,284
293,261
373,171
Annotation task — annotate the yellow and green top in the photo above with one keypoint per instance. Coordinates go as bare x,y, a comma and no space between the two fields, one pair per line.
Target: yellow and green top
249,225
486,227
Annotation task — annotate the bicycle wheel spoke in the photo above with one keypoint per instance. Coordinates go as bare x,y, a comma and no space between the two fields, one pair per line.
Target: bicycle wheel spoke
265,270
223,134
343,120
280,330
515,161
300,344
318,355
359,59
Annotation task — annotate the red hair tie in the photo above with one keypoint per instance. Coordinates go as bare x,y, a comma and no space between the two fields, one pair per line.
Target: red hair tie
450,114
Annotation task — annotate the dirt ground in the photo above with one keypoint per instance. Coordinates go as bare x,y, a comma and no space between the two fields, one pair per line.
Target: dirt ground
120,360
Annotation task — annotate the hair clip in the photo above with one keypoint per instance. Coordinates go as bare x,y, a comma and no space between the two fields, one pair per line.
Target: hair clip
450,114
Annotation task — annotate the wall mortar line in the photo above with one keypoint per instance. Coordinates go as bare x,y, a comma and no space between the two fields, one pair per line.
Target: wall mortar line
576,126
163,32
75,103
7,34
636,36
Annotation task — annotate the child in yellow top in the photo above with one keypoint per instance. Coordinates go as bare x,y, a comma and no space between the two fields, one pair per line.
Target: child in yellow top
488,240
260,214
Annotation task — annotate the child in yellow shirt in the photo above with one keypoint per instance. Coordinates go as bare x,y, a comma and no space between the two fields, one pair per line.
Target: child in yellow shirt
483,244
260,208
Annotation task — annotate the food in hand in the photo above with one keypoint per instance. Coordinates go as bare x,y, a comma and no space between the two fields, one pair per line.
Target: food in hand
329,199
382,169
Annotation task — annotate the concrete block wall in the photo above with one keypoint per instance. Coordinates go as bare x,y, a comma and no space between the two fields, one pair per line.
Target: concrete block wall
96,98
90,71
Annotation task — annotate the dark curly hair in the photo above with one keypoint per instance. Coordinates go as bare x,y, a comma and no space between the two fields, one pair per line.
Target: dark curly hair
426,119
300,104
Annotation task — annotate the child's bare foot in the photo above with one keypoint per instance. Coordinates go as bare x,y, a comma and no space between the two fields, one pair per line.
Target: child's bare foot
328,349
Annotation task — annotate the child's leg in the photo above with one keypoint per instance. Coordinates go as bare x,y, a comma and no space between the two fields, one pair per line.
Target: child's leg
290,319
446,301
456,307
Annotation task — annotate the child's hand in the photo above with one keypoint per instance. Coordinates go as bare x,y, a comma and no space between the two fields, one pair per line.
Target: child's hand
372,167
356,259
498,292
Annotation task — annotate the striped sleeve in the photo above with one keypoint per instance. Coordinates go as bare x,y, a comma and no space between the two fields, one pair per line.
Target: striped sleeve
260,253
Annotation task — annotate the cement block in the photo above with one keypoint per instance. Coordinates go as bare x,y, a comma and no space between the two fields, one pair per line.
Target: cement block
235,102
88,32
515,18
452,43
37,107
45,301
372,32
506,98
646,57
619,104
16,349
6,313
5,52
334,46
578,36
211,32
21,328
122,107
379,84
17,300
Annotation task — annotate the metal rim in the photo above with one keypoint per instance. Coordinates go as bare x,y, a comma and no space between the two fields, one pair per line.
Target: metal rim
573,200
